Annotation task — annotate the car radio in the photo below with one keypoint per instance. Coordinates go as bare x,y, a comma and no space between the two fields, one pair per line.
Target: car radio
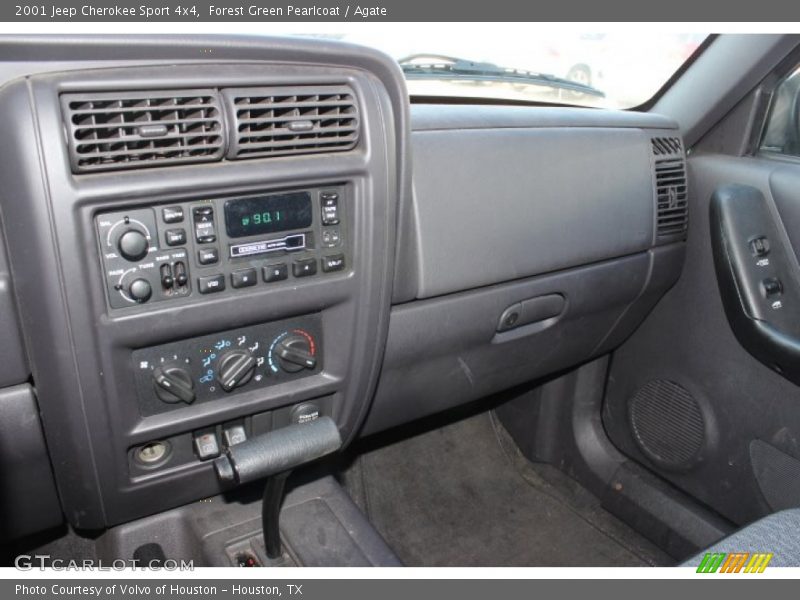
222,244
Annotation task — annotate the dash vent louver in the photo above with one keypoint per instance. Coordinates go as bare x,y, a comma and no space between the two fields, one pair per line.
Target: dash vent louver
122,130
281,121
671,187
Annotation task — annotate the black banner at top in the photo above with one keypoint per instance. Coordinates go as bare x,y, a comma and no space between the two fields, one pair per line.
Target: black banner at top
198,11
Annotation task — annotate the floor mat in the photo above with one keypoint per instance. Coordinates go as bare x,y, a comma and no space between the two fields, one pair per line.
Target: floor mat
462,495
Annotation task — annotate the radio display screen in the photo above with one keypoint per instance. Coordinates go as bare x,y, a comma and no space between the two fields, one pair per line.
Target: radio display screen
258,215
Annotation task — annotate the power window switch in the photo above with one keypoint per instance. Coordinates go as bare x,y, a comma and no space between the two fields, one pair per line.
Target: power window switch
234,434
206,445
759,246
772,286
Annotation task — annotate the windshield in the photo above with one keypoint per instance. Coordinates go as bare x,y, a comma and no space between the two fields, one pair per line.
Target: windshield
511,62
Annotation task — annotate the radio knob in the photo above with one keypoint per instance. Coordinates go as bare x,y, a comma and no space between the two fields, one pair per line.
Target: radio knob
235,368
173,384
140,290
133,245
294,354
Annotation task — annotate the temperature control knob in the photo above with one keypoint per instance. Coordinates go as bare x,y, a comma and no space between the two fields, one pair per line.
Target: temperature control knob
173,384
140,290
235,368
133,245
294,354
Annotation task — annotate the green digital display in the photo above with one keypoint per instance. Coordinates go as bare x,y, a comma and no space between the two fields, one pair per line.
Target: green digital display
258,215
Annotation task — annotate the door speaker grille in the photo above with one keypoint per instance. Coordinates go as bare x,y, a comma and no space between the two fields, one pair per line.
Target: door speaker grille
667,424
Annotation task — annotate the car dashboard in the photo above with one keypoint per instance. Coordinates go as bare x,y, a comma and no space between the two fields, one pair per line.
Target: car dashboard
209,239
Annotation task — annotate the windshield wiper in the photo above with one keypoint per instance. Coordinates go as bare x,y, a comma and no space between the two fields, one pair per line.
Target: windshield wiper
434,66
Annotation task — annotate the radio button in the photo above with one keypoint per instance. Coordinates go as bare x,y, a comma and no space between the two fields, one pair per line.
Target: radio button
133,245
140,290
208,256
204,231
244,278
333,263
275,272
176,237
211,284
304,268
330,208
330,237
172,214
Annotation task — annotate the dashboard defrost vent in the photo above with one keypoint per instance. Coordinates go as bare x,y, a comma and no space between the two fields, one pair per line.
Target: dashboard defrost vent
126,130
280,121
671,187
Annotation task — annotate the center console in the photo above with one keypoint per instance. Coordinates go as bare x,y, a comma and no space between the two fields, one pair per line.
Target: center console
203,253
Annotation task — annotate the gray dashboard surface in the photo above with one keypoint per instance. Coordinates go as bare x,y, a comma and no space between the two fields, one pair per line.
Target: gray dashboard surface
467,116
499,204
512,203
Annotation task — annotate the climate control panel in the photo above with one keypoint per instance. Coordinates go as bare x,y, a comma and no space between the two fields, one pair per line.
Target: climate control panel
225,245
210,367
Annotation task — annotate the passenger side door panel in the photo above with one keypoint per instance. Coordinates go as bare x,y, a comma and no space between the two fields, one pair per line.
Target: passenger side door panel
684,395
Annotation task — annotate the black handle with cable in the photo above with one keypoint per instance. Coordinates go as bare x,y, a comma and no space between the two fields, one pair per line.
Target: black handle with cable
273,455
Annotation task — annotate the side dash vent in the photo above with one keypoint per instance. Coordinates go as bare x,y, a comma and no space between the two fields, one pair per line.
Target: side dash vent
671,187
280,121
125,130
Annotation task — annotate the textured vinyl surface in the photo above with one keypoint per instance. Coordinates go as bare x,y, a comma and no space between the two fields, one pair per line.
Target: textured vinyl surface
778,475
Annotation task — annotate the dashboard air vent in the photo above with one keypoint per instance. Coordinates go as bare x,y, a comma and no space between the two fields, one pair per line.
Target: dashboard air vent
125,130
666,145
671,187
279,121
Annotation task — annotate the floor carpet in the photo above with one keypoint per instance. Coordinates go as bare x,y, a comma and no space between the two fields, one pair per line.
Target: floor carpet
463,495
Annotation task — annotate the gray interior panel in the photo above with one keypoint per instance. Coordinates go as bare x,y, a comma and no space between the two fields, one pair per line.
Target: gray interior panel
27,489
495,205
86,390
446,351
688,341
320,527
13,359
